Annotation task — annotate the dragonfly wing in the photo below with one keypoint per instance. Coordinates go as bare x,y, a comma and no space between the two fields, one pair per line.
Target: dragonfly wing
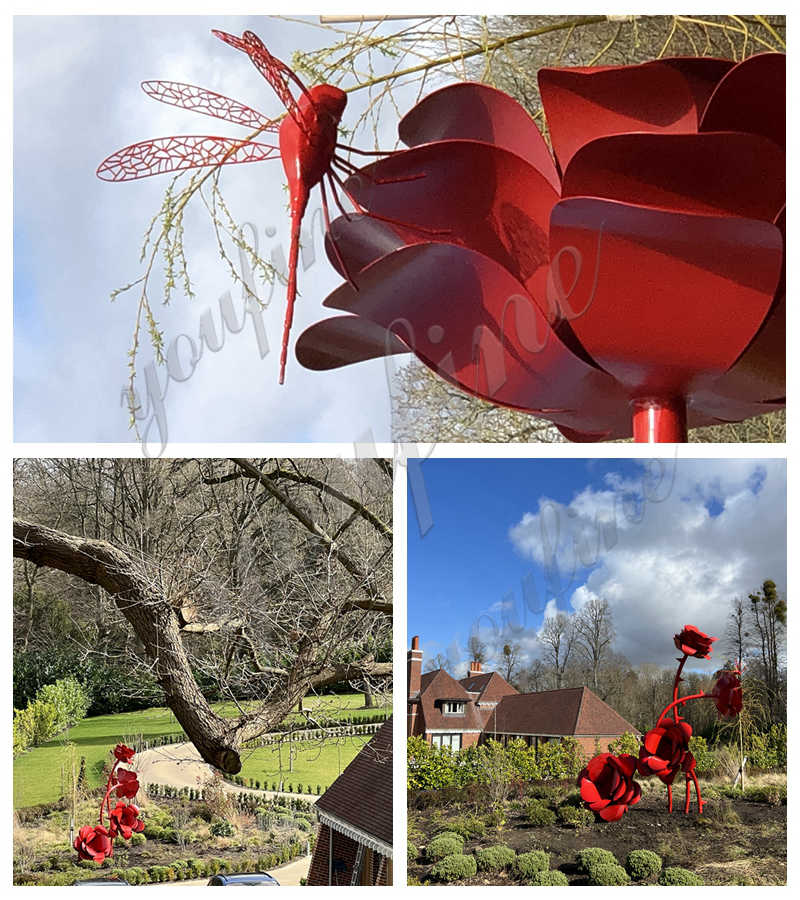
207,102
174,154
277,73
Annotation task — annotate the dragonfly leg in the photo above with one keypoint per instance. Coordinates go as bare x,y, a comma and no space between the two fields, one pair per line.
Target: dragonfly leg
348,167
359,208
327,219
367,152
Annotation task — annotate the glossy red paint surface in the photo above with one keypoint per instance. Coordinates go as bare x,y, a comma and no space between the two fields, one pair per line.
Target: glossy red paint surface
655,269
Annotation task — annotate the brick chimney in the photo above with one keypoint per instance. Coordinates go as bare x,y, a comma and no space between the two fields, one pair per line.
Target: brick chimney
474,669
414,667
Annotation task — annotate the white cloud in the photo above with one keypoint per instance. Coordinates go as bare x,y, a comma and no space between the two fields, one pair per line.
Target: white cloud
667,561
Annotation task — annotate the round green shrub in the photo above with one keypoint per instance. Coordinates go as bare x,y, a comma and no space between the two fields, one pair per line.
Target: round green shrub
550,878
454,867
495,859
675,875
575,816
591,856
539,814
221,828
573,798
413,853
526,865
643,864
608,873
466,826
445,844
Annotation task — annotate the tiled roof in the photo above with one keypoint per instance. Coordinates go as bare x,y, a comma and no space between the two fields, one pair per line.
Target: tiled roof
490,685
437,686
575,711
362,794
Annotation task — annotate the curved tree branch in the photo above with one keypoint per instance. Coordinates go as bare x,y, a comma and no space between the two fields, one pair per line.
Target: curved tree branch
152,617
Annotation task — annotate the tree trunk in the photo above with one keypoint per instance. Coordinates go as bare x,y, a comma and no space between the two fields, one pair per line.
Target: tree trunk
151,616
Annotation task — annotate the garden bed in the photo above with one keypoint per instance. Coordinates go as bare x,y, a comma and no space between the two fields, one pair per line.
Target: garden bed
734,841
183,839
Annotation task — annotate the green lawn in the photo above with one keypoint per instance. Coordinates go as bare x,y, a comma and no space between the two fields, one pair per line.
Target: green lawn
314,763
37,773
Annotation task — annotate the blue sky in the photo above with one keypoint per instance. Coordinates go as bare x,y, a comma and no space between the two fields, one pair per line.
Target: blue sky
511,541
77,99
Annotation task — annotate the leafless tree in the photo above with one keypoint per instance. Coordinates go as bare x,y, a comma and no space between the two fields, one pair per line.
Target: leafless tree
509,660
594,634
737,633
477,649
557,639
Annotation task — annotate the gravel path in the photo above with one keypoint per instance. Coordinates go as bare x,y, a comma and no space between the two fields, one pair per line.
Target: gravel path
180,766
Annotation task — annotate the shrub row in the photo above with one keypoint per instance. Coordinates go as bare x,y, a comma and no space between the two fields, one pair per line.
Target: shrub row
490,763
277,787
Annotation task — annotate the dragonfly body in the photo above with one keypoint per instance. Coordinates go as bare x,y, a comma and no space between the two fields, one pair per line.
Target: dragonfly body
307,149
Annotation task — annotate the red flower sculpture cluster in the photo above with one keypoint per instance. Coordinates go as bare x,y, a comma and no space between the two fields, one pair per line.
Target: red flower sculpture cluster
97,841
630,282
607,784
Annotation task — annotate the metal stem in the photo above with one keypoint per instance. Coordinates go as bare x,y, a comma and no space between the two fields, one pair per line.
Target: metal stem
659,420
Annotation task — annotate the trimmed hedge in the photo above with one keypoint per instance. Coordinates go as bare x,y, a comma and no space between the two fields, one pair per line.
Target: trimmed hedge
550,878
455,867
575,816
675,875
642,864
495,859
539,814
445,844
591,856
608,874
526,865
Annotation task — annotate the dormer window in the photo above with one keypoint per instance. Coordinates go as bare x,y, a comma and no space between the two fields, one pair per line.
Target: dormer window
453,707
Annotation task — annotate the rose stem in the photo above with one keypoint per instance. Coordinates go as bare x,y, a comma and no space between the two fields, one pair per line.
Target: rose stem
676,683
679,702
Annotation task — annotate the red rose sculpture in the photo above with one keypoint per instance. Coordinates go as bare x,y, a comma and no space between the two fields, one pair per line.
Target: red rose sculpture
94,842
97,842
632,282
608,787
607,781
665,751
123,753
693,642
727,693
128,783
124,819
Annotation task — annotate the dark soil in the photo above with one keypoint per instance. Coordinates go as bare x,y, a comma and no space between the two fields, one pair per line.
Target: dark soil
733,842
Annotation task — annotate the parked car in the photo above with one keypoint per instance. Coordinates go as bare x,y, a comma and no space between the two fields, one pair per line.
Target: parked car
250,878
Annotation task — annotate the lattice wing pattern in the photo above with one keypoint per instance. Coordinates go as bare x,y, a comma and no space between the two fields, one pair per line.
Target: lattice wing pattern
277,73
174,154
209,103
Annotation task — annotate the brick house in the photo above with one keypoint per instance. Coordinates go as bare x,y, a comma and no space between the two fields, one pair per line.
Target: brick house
483,705
354,842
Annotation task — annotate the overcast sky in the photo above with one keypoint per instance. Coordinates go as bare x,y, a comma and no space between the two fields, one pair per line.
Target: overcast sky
77,99
667,544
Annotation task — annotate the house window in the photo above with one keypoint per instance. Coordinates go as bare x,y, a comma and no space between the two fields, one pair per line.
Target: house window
452,741
453,708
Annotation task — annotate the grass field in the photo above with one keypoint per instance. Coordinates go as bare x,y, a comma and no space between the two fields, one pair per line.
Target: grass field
314,763
37,773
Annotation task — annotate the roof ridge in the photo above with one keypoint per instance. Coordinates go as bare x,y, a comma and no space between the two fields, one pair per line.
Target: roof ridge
584,689
610,708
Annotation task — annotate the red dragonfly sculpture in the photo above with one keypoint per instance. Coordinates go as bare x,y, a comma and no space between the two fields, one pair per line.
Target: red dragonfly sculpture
307,145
